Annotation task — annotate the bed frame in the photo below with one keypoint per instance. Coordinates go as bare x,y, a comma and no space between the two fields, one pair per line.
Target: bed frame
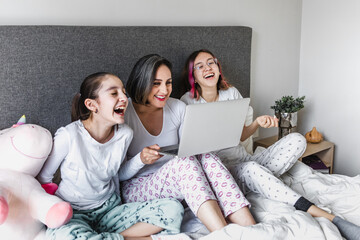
42,67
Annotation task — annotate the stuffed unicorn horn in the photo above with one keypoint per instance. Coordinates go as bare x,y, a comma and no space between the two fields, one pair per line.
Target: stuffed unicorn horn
25,207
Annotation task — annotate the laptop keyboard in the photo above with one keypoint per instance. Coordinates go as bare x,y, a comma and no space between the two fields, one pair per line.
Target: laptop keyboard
173,151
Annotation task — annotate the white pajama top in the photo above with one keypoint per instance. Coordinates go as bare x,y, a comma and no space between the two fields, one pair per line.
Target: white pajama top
173,116
89,169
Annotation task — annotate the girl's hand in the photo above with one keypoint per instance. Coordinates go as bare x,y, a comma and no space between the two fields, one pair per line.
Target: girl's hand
150,154
267,121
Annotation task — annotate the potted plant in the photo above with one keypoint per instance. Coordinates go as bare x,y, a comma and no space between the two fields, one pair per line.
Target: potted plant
286,110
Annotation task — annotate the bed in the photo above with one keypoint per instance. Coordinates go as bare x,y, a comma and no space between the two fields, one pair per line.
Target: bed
41,68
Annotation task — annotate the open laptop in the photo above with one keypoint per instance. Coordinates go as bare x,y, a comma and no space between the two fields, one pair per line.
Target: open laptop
209,127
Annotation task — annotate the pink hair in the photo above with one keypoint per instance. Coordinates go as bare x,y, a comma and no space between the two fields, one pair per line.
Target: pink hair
192,80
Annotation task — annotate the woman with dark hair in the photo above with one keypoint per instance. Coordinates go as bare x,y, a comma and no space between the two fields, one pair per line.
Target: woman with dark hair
156,118
89,152
204,81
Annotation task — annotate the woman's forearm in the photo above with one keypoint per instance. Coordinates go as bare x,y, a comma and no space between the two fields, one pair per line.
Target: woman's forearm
249,130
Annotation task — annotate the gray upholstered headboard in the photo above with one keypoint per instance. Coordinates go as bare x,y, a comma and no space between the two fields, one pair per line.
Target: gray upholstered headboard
42,67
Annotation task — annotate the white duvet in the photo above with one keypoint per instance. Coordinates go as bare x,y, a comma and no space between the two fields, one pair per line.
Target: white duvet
336,193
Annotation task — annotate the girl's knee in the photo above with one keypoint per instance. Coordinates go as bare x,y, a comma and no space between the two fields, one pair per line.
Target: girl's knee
297,139
171,207
293,144
75,227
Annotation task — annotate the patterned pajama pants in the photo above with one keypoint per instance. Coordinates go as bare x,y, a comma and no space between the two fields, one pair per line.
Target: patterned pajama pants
259,173
195,180
112,218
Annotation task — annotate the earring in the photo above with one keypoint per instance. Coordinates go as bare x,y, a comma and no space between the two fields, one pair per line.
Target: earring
96,111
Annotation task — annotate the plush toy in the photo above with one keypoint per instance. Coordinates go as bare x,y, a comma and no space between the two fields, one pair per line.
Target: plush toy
24,205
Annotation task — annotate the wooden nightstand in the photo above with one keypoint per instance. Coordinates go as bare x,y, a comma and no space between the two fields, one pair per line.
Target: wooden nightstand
324,150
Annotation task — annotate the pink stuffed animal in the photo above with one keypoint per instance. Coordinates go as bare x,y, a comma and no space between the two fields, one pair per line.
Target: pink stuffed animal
24,205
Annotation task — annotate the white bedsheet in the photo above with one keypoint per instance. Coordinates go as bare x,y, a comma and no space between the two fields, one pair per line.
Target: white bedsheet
336,193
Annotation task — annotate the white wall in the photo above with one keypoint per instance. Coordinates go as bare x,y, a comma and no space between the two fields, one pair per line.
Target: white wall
330,76
276,30
329,61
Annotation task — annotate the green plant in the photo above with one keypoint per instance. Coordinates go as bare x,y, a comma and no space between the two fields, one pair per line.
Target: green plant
287,104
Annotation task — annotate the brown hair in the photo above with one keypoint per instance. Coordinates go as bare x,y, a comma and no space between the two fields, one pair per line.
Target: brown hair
88,89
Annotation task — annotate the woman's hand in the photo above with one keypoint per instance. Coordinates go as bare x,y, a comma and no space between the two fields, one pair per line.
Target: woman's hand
267,121
264,121
150,154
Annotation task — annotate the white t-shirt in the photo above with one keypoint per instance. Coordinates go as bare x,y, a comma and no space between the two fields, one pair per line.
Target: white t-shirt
224,95
89,169
173,116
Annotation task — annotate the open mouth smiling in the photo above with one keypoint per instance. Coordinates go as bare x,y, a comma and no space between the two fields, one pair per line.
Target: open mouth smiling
160,98
210,75
120,110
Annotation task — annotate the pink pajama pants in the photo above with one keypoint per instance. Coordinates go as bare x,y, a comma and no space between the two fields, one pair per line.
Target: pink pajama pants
189,178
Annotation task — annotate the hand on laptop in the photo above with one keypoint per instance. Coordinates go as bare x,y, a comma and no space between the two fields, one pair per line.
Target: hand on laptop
150,154
267,121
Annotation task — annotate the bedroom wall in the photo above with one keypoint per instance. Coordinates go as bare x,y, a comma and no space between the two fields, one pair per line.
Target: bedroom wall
330,76
276,30
329,50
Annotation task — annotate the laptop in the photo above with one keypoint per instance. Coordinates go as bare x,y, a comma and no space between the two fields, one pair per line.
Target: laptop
210,127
